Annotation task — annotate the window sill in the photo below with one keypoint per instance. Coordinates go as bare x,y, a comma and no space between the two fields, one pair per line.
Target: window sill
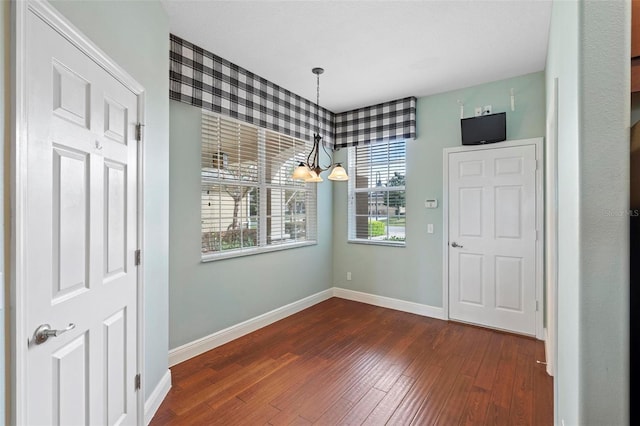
379,243
212,257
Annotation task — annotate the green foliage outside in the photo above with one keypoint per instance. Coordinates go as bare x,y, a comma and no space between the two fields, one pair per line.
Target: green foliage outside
397,221
229,240
376,228
396,198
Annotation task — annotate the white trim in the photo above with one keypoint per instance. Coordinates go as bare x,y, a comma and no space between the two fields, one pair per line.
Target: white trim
551,223
60,24
390,303
18,332
445,233
537,142
157,396
141,245
229,254
18,355
548,358
212,341
204,344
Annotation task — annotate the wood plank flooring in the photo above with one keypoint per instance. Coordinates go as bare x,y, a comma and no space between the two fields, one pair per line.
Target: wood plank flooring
343,362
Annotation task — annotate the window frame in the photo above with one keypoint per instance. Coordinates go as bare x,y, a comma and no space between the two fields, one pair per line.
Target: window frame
352,191
263,185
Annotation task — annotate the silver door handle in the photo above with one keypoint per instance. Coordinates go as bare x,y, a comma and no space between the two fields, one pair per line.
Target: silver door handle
43,332
454,244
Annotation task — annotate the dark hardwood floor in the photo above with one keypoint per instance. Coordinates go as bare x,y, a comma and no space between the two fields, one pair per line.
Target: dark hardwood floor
343,362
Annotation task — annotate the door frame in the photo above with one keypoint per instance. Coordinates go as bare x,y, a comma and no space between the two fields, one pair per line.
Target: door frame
19,121
446,152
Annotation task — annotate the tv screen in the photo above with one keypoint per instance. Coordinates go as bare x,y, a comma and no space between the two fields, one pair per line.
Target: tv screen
484,129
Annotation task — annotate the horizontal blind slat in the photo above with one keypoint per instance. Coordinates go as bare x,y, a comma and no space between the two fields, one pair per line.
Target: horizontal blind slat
239,163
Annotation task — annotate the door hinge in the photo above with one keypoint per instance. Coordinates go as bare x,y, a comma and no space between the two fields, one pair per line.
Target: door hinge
537,306
139,132
137,384
137,257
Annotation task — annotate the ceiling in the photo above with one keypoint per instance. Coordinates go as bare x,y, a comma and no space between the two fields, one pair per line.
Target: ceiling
372,51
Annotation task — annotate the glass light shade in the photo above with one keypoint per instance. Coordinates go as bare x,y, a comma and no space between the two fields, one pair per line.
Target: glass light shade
338,173
301,172
314,177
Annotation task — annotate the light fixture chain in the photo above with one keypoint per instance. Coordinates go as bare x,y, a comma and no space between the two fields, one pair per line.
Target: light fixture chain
310,171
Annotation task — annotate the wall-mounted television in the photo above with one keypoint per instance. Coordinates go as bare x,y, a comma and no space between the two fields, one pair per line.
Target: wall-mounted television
483,129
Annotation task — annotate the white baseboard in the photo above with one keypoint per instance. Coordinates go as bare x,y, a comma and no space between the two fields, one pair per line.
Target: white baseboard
197,347
152,403
204,344
388,302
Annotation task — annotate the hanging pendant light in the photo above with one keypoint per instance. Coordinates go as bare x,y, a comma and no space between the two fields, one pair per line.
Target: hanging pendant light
310,170
301,172
338,173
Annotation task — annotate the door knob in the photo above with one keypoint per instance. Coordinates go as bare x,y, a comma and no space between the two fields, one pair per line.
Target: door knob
454,244
43,332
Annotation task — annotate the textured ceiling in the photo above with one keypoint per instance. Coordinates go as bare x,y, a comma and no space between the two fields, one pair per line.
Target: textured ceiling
372,51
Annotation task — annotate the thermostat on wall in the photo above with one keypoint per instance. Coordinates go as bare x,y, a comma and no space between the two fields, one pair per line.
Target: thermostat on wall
431,204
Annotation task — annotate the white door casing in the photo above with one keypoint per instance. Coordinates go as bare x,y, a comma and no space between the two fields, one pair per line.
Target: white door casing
493,215
76,228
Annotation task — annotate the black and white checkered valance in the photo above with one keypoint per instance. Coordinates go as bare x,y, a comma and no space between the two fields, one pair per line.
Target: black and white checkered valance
384,122
205,80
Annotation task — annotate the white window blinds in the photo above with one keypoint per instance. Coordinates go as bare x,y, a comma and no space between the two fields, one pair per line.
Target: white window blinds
377,208
249,201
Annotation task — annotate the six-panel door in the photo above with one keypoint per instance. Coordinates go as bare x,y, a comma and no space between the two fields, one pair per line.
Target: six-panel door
492,221
81,232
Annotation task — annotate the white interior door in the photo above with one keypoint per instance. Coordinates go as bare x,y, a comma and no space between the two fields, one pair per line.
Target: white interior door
80,236
492,237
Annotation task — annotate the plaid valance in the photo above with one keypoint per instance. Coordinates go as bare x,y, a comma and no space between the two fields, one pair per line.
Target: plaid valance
387,121
205,80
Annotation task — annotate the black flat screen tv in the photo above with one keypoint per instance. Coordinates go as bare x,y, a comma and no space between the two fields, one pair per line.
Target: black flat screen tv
483,129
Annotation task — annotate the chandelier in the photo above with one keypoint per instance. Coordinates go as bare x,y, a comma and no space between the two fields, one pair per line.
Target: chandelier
310,170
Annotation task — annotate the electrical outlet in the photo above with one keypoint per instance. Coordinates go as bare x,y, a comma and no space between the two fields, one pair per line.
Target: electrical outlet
478,111
430,228
486,109
348,276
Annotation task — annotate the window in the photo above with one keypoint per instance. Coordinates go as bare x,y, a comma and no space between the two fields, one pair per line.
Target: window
250,203
377,209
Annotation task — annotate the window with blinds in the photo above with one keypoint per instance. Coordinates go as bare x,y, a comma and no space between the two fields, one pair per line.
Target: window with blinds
377,209
249,201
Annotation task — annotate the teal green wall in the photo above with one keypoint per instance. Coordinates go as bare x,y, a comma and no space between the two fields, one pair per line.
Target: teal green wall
588,53
136,35
604,85
414,273
208,297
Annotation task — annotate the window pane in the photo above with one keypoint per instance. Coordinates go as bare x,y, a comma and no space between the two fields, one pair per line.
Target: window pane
378,213
248,197
362,227
227,220
362,203
377,205
396,228
395,202
287,215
